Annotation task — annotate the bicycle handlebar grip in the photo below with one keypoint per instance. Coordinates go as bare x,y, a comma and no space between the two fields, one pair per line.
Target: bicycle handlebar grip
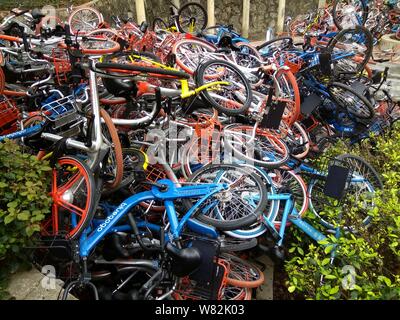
131,67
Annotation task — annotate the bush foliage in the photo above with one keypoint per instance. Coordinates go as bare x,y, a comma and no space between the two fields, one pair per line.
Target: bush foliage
24,203
367,262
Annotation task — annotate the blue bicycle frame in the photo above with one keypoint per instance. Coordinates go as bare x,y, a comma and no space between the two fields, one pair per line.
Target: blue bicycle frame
215,39
91,237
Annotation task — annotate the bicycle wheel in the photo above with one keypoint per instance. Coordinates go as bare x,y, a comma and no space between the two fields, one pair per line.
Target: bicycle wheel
350,50
365,182
250,60
289,182
351,101
349,13
190,53
240,206
192,18
83,20
229,244
114,169
72,190
298,141
263,149
225,98
270,47
289,93
103,34
243,273
159,25
133,160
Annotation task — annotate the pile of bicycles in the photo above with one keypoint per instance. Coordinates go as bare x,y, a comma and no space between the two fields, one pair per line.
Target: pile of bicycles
380,17
180,154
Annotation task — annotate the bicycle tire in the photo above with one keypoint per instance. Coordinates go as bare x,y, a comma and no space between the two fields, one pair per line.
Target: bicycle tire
203,12
268,43
229,225
237,245
198,42
373,183
336,18
128,175
90,204
200,79
158,20
252,278
293,91
368,109
76,11
116,145
359,63
268,141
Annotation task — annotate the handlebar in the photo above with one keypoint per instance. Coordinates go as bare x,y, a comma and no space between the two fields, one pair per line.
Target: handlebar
141,69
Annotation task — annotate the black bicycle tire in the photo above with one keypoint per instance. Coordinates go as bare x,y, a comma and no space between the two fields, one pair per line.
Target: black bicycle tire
197,5
265,44
359,96
369,43
199,79
231,225
239,245
158,19
335,18
131,67
131,177
377,177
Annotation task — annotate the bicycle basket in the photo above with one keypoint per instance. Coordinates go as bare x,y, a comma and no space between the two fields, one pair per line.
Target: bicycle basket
62,113
62,64
336,177
9,115
292,61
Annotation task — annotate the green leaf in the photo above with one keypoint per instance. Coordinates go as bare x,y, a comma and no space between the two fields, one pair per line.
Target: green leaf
328,249
325,261
24,215
300,251
330,277
3,185
291,289
8,219
12,204
334,290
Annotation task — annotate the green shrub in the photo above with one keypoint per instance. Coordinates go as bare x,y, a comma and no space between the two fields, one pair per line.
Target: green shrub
370,256
24,203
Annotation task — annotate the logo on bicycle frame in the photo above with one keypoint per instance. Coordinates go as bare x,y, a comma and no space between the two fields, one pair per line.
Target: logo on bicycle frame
111,217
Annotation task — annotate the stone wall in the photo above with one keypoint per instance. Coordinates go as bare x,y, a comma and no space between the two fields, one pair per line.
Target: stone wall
263,13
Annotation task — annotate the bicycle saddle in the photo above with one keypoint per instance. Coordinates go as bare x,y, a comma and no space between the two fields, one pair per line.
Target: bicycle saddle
120,88
37,14
226,41
184,261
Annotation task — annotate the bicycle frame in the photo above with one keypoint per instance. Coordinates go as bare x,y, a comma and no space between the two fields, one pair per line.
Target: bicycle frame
89,238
